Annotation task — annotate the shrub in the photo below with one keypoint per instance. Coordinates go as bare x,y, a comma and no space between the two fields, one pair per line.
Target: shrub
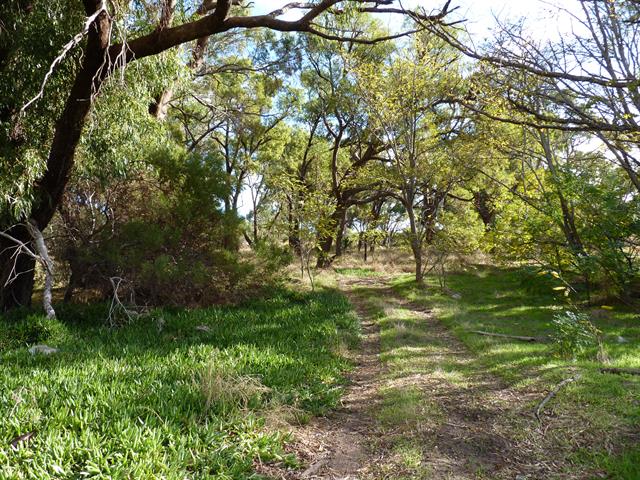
28,330
574,334
164,232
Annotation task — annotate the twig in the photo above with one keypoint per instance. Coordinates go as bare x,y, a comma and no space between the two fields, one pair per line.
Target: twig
554,392
515,337
621,371
65,49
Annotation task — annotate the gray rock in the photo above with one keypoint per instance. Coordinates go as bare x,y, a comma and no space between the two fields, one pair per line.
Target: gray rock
43,349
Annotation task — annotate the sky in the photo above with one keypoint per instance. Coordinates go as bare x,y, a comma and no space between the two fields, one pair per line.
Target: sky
543,16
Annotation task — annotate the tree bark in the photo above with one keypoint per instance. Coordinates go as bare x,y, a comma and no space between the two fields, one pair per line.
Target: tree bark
340,234
326,241
294,229
324,251
47,265
416,244
17,293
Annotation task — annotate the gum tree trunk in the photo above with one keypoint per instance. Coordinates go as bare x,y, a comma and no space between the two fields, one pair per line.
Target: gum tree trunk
17,293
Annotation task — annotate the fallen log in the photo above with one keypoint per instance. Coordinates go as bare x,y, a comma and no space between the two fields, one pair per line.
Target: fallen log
621,371
515,337
554,392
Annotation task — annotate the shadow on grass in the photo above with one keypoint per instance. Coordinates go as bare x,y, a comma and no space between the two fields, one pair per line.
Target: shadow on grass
136,392
516,302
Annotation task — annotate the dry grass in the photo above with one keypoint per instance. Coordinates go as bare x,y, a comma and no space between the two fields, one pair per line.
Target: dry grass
228,391
279,417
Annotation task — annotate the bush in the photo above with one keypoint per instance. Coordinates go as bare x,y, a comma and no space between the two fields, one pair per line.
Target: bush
574,334
164,232
29,330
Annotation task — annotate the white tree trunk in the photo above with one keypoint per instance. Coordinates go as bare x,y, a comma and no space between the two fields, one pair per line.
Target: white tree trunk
47,264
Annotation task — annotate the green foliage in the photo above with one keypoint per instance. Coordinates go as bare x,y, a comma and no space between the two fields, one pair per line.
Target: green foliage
151,395
22,329
461,231
31,36
273,257
162,230
573,333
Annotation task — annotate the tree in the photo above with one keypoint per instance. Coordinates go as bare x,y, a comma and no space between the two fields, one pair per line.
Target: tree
334,98
589,80
410,118
104,54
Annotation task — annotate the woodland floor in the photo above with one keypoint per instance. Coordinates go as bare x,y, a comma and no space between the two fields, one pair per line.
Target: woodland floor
257,390
422,405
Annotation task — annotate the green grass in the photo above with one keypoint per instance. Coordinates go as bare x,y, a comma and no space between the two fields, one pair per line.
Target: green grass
357,272
172,402
517,302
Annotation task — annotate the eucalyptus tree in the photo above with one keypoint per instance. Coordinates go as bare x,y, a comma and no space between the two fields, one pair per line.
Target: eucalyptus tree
570,210
589,78
547,171
412,118
334,98
238,119
117,35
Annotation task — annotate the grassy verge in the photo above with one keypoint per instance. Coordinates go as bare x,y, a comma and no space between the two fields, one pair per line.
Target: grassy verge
185,394
598,417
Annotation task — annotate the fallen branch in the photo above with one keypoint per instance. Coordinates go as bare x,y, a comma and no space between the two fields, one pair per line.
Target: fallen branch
554,392
621,371
24,438
515,337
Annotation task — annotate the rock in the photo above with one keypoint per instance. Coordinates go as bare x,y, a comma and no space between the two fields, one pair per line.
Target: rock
621,339
43,349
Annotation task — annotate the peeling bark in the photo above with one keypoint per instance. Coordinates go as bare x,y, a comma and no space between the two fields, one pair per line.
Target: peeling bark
47,266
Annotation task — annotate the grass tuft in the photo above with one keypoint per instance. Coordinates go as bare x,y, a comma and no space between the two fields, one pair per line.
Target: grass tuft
225,391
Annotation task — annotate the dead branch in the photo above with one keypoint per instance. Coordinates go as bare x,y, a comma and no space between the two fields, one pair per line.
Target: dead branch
118,310
515,337
41,255
621,371
554,392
